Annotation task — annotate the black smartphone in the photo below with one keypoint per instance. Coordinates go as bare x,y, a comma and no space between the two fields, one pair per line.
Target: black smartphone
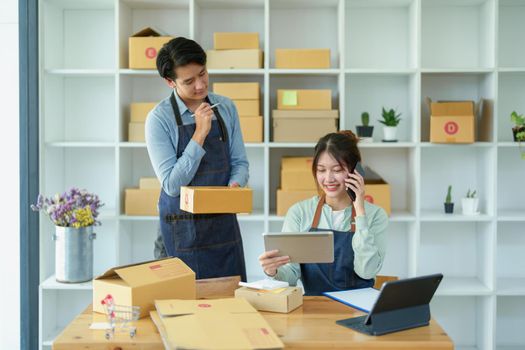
361,171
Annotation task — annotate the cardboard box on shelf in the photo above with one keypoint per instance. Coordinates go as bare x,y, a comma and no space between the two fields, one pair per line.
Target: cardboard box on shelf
296,173
377,190
303,126
247,108
213,324
140,110
238,91
302,58
144,46
137,132
215,199
141,202
287,198
234,59
252,128
235,40
281,300
143,283
452,121
149,183
304,99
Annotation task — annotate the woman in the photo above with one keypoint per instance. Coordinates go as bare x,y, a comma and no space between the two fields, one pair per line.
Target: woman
359,227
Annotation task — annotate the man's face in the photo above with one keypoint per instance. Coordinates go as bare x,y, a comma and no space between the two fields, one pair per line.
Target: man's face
192,81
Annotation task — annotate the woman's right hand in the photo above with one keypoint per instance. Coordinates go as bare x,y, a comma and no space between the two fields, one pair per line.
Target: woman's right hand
270,261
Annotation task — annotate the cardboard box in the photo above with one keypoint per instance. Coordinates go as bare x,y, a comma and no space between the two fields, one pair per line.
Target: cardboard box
252,128
377,191
144,46
302,58
238,91
452,122
281,300
304,99
296,173
215,199
287,198
141,284
303,126
140,110
149,183
234,59
213,324
235,40
137,132
141,202
247,108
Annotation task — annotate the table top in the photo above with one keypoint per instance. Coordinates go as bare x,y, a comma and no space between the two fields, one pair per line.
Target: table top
310,326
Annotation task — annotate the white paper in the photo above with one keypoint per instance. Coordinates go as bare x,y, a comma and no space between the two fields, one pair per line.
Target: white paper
267,284
99,325
362,299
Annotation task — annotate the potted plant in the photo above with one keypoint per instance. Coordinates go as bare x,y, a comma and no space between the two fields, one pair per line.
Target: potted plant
518,130
74,213
365,131
449,205
390,121
469,204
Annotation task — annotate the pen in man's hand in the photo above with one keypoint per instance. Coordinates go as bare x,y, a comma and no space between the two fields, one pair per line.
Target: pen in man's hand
212,106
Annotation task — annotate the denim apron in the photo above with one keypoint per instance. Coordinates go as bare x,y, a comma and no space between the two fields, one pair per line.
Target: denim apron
339,275
210,244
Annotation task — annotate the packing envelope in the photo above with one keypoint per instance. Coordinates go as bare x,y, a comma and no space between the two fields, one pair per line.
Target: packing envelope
214,324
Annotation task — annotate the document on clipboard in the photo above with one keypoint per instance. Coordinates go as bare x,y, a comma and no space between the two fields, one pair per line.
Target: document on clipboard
362,299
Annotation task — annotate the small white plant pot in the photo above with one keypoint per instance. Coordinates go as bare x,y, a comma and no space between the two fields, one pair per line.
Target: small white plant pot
470,206
390,133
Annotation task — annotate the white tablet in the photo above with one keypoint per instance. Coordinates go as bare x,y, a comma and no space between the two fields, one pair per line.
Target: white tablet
302,247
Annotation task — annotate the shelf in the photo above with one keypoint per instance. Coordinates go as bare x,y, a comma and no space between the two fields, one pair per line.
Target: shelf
457,70
51,337
512,70
511,286
440,216
394,217
51,284
510,144
332,71
127,71
80,144
257,215
462,286
374,71
82,72
236,71
449,145
310,145
511,215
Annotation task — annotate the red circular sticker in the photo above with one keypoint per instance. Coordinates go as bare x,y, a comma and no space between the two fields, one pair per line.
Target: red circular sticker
204,305
451,128
151,52
369,198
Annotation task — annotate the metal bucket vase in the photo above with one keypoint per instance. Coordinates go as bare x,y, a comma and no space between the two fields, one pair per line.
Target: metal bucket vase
74,254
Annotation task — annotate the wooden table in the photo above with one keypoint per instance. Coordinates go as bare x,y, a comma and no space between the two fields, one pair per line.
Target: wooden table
311,326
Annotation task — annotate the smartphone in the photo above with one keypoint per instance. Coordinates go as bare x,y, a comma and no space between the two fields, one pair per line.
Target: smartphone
360,171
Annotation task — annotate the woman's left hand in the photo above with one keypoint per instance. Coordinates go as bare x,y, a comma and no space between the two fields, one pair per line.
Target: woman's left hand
356,183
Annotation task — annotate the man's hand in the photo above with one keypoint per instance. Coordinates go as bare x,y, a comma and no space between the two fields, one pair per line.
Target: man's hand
234,184
203,117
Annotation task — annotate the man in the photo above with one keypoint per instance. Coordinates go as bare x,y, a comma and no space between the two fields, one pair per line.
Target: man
191,144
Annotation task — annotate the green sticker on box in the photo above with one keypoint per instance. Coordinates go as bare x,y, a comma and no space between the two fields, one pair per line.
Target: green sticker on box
289,98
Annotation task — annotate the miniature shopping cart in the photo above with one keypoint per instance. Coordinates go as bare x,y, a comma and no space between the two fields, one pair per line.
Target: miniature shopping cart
120,317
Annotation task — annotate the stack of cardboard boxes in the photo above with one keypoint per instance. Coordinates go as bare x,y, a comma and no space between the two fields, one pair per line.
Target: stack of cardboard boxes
144,46
246,97
302,58
137,120
297,182
303,115
235,51
143,201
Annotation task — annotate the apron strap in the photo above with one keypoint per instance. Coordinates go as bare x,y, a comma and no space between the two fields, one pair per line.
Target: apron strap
175,107
319,209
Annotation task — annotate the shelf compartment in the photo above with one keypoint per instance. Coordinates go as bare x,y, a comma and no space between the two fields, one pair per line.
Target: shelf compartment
510,182
511,42
511,89
510,267
137,240
510,319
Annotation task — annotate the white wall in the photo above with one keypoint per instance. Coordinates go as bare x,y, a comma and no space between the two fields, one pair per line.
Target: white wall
9,177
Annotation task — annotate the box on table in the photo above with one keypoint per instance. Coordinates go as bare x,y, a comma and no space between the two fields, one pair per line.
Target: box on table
302,58
143,283
215,199
141,202
149,183
213,324
296,173
234,59
137,132
287,198
247,108
304,99
281,300
452,122
144,46
238,91
303,126
377,190
140,110
252,128
235,40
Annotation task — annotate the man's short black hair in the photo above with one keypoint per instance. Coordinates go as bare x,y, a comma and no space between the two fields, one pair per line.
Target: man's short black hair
178,52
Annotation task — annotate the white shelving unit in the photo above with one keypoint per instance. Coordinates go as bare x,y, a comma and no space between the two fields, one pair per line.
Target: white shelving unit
390,53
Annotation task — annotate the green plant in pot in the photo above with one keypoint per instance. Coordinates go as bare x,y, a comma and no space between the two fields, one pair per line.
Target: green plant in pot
518,130
390,121
365,131
449,205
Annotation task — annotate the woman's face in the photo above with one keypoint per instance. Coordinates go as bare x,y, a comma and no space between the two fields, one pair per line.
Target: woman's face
331,175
